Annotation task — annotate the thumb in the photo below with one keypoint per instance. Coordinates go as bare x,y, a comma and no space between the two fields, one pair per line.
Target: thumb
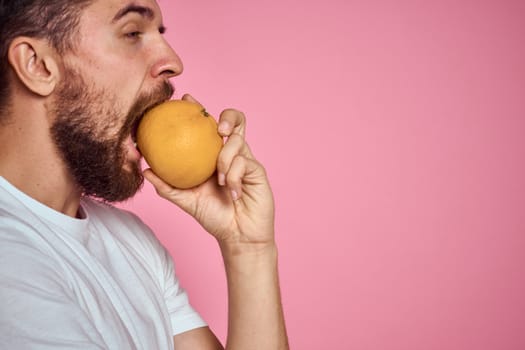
160,186
174,195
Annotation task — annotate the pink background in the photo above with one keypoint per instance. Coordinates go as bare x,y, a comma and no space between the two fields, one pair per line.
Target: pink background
394,136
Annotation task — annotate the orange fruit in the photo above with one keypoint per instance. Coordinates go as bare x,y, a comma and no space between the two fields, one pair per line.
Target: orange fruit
180,142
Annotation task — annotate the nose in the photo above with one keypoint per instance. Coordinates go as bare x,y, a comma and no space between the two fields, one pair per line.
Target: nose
168,63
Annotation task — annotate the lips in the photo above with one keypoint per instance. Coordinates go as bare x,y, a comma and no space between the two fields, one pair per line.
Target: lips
136,121
143,104
135,127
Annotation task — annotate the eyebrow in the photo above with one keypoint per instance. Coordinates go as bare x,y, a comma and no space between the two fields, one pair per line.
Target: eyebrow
132,8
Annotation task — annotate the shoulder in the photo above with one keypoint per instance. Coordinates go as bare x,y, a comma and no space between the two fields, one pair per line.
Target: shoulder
115,219
37,302
26,258
125,227
19,240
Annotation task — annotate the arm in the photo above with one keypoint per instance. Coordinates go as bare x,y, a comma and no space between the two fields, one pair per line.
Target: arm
238,210
255,314
200,338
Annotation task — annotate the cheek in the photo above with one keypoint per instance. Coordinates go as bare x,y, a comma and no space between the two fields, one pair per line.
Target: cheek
105,116
117,74
115,81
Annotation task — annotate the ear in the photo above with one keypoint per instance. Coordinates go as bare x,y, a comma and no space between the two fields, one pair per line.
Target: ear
34,62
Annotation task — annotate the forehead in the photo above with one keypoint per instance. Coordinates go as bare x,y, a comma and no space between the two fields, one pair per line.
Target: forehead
110,11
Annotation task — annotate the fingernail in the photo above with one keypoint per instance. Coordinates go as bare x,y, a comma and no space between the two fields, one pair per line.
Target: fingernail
235,196
222,179
224,127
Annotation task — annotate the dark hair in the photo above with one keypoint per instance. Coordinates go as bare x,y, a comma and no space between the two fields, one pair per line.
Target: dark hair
53,20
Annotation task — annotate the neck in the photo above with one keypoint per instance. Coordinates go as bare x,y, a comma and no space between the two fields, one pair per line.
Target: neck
30,161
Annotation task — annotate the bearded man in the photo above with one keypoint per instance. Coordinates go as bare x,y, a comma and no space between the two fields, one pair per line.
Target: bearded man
76,272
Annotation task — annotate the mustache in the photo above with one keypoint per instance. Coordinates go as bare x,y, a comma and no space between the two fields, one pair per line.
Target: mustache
146,102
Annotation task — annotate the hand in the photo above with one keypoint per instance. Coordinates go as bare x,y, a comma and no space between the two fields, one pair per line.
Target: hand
237,206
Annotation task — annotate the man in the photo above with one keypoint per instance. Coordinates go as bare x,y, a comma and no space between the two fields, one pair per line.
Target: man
75,272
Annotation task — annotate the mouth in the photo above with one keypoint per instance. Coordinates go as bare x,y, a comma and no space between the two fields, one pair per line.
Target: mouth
142,106
136,121
134,129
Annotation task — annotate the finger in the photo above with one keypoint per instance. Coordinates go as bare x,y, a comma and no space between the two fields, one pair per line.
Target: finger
161,187
234,177
182,198
188,97
234,146
239,173
232,121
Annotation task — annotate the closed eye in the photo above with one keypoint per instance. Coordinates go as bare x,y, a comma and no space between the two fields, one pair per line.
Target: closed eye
133,35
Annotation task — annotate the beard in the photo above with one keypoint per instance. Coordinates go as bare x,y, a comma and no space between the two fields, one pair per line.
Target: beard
91,142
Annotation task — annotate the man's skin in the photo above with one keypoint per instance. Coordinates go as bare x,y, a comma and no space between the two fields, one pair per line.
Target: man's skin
125,53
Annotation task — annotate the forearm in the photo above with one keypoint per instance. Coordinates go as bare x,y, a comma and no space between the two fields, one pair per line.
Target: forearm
256,318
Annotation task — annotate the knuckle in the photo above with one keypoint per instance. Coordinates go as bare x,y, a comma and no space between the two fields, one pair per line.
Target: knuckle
234,114
234,145
222,164
236,139
242,116
239,159
228,113
263,169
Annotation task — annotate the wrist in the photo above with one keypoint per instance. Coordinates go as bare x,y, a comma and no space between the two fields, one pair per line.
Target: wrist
231,248
252,265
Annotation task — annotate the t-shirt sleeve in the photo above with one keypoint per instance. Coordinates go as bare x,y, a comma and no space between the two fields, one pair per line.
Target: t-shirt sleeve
182,314
36,310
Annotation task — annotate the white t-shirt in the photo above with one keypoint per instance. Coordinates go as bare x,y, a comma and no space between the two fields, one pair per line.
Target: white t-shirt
101,282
